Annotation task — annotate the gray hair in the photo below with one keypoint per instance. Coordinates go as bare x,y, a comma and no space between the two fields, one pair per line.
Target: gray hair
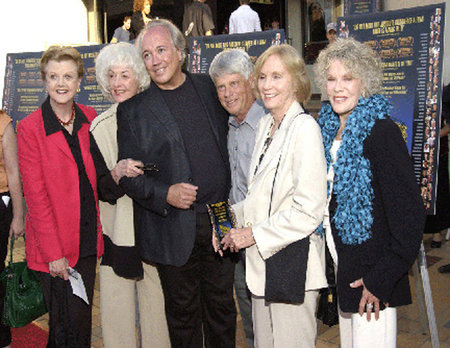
175,35
120,54
234,61
358,58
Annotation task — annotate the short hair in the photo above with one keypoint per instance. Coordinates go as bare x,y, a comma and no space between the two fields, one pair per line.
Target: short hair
358,58
295,65
233,61
61,53
138,5
126,18
121,54
244,2
175,35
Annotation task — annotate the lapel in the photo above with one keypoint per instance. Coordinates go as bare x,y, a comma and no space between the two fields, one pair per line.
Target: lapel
158,107
275,149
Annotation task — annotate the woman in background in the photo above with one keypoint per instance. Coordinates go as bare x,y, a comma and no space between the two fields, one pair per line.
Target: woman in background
60,186
11,204
121,74
375,217
141,16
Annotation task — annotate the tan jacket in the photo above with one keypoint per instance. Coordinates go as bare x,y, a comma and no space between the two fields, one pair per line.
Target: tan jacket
298,199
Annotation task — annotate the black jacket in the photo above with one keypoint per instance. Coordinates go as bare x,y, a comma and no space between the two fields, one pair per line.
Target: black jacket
398,220
148,132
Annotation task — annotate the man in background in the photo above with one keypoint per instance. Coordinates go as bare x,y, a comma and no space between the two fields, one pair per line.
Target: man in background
232,72
197,20
122,34
244,19
331,32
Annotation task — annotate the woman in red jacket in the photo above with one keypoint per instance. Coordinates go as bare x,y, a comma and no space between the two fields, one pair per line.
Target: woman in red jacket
63,231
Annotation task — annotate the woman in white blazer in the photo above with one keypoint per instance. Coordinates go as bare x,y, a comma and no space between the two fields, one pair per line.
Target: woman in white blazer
284,206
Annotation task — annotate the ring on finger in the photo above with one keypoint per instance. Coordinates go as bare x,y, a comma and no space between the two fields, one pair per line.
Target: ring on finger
369,306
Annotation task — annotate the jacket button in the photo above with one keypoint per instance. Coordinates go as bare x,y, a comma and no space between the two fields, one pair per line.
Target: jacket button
249,224
190,180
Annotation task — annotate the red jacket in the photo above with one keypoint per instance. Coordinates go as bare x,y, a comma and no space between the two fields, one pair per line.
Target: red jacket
51,188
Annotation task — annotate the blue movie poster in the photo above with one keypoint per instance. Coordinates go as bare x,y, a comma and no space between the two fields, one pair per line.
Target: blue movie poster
24,90
410,43
203,49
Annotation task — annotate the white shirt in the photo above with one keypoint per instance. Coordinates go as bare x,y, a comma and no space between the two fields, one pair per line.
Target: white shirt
244,20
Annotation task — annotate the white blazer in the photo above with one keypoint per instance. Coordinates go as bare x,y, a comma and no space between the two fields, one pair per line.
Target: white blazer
298,199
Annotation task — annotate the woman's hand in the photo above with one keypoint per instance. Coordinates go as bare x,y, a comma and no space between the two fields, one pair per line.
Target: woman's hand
238,238
215,242
127,167
58,268
17,228
367,300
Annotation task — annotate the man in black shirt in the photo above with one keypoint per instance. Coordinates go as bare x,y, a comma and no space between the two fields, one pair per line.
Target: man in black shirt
197,20
178,128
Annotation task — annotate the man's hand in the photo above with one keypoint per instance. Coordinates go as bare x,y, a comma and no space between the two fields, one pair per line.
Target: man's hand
182,195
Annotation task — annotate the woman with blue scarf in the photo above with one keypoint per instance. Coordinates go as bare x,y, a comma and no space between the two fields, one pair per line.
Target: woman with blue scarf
375,215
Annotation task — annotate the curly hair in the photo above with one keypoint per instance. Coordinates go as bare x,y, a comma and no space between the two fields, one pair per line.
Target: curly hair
61,53
295,66
358,58
175,35
138,5
121,54
233,61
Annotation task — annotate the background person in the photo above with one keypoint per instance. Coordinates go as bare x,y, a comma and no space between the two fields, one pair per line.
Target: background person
126,283
59,182
244,19
375,217
122,34
232,73
331,32
198,20
179,125
285,202
11,204
141,16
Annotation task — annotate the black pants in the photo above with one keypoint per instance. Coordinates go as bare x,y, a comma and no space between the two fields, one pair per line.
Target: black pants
67,310
5,223
199,295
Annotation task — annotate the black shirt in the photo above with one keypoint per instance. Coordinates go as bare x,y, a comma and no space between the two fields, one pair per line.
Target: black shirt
208,169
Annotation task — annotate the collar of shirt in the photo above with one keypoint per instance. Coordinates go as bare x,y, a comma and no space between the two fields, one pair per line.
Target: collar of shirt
252,118
51,124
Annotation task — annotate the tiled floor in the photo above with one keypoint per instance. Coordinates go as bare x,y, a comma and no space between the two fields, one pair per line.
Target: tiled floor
410,332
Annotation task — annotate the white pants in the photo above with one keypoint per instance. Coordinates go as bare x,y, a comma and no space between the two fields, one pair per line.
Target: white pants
118,309
282,325
356,332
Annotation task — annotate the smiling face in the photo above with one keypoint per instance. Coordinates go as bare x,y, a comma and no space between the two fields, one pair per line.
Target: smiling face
343,89
122,83
235,94
62,81
147,7
161,58
276,87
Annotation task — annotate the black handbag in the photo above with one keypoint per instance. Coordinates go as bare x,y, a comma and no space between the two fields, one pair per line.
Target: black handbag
327,309
24,300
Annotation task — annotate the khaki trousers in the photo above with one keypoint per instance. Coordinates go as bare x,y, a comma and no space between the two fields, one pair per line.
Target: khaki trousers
118,309
282,325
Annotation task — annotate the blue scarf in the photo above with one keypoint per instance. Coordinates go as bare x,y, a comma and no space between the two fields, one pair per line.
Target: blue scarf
352,175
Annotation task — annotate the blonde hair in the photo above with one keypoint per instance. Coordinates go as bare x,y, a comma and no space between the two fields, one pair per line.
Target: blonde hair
295,65
61,53
358,58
